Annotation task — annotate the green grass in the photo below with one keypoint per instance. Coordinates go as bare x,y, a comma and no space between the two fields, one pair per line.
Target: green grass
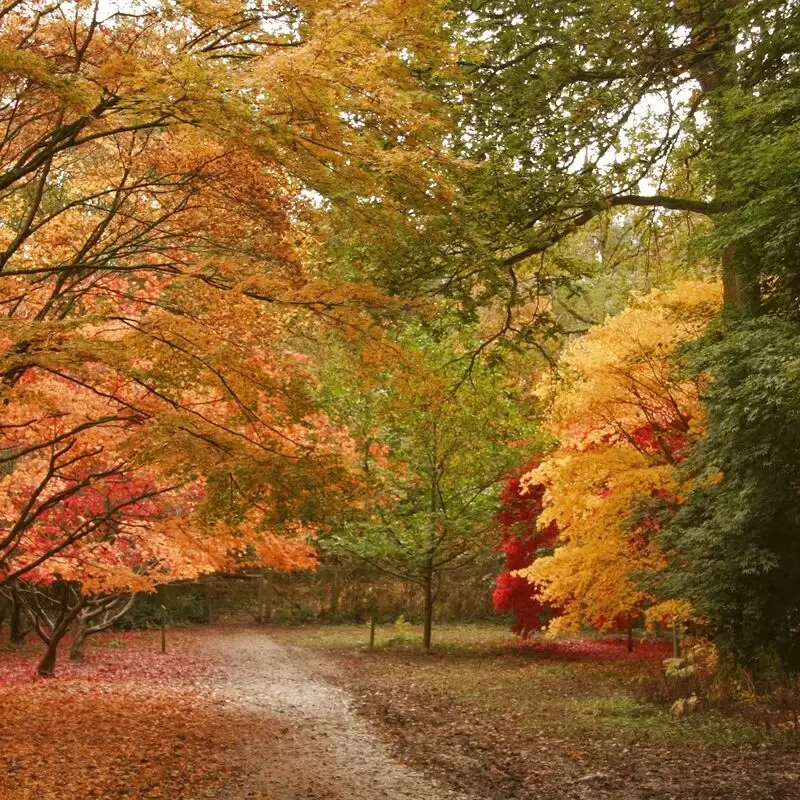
478,668
349,637
637,720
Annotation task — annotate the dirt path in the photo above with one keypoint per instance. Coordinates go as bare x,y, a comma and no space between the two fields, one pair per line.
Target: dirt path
319,749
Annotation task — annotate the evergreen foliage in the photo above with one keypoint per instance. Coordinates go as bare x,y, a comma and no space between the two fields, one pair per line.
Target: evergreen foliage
735,542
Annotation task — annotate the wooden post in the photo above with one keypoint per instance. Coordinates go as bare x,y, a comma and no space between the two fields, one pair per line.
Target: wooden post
163,629
336,590
427,625
266,610
208,596
261,599
372,608
264,598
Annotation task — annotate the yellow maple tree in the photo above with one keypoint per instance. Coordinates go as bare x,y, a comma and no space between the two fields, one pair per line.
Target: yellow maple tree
623,415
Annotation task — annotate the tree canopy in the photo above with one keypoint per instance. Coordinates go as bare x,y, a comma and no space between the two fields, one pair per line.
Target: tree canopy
272,271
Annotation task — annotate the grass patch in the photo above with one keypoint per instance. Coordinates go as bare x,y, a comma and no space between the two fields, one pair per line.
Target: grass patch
572,688
449,638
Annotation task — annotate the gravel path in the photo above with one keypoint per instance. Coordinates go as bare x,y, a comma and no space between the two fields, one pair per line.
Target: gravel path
320,749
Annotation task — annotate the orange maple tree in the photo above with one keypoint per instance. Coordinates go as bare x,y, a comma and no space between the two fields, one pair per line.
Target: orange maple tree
165,173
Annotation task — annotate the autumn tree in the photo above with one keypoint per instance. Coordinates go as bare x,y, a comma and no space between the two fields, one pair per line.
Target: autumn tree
90,584
436,440
156,241
624,416
522,541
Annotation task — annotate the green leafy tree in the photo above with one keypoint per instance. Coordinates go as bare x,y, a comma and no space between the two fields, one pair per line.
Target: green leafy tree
734,544
577,111
439,432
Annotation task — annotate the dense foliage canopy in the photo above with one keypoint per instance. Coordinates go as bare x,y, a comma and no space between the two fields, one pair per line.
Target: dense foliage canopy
236,239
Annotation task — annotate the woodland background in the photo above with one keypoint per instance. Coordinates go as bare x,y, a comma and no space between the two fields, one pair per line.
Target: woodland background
439,300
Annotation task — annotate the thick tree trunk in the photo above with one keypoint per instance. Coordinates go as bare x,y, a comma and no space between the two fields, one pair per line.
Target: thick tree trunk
714,69
740,291
630,633
47,666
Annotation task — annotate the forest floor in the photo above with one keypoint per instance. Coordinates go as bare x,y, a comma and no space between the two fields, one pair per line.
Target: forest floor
309,714
501,719
225,714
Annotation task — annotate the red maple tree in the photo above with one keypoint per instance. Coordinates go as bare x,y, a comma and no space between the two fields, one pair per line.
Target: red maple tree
521,539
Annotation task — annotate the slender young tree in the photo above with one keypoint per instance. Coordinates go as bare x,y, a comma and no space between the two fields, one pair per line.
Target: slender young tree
436,444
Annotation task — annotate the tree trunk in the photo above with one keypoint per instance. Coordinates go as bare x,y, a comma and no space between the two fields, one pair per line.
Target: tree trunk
52,631
714,68
16,629
96,615
47,666
630,633
740,292
428,609
261,600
